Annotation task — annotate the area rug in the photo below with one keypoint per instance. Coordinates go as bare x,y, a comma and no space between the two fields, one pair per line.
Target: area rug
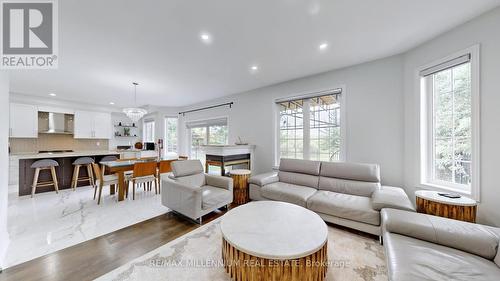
197,256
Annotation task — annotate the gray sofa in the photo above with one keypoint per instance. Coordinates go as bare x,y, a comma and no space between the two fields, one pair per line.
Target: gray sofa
425,247
347,194
192,193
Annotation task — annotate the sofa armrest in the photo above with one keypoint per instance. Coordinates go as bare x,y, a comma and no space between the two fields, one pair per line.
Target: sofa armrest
391,197
264,179
181,187
219,181
473,238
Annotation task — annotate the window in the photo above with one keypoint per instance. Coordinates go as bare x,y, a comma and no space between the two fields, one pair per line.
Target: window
450,150
292,129
170,134
208,132
324,129
149,131
310,127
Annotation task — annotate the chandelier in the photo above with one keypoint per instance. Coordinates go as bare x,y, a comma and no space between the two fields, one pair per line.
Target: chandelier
135,113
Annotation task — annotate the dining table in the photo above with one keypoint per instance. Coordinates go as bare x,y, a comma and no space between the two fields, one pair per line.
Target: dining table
121,166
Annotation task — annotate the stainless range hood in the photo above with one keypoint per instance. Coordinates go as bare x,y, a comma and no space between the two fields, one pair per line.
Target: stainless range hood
55,123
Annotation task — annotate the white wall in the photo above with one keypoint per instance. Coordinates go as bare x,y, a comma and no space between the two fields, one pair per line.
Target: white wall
4,162
374,110
482,30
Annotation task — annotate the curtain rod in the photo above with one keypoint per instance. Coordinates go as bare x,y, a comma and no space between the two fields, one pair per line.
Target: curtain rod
230,104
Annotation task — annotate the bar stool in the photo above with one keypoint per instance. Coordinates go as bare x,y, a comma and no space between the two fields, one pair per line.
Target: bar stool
78,163
40,165
106,159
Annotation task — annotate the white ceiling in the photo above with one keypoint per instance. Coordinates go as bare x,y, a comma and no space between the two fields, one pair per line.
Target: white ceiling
105,45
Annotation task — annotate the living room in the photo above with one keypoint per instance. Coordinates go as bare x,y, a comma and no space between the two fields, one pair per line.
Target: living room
360,136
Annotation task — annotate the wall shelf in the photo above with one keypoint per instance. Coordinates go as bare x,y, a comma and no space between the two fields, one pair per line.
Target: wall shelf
125,126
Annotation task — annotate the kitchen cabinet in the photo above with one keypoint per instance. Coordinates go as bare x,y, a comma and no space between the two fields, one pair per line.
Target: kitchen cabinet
13,171
129,154
102,126
92,125
148,153
138,154
23,121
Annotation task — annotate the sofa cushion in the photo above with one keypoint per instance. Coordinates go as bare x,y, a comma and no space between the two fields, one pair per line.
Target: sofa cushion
391,197
197,180
212,197
351,171
286,192
300,166
359,188
264,179
473,238
352,207
299,179
186,168
414,259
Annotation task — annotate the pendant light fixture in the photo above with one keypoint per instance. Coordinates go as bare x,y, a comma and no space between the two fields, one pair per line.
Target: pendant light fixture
135,113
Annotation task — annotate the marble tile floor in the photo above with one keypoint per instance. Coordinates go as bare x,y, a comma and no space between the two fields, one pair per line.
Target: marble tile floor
50,222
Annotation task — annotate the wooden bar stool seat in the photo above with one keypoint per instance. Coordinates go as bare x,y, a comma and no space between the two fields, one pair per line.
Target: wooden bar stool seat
44,164
82,162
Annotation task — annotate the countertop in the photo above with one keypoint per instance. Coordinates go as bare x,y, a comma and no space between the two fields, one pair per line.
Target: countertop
34,155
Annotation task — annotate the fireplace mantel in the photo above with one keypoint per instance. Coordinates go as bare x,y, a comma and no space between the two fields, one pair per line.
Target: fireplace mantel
219,155
224,150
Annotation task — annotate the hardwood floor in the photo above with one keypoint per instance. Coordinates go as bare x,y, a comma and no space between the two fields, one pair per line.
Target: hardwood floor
93,258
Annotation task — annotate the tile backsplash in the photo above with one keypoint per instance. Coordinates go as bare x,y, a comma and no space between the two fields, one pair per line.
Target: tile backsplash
56,142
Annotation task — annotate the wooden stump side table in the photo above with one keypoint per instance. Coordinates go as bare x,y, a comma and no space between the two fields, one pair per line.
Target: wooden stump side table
240,186
430,202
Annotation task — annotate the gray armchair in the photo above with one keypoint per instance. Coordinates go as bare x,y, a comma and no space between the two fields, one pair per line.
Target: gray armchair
192,193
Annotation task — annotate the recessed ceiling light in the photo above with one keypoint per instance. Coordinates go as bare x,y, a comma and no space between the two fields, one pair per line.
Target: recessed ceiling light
323,46
314,8
254,68
112,103
206,38
52,94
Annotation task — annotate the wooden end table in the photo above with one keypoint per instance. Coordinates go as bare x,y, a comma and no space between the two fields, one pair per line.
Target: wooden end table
269,240
430,202
240,186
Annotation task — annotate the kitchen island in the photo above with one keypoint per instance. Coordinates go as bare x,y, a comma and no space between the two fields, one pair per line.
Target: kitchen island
64,171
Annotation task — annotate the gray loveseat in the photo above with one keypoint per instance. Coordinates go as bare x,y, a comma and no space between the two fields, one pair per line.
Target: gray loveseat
347,194
424,247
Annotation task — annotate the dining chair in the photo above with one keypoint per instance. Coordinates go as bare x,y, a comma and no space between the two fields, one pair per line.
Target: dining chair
102,180
130,174
144,173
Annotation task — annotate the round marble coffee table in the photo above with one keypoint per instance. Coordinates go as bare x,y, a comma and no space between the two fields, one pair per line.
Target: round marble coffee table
269,240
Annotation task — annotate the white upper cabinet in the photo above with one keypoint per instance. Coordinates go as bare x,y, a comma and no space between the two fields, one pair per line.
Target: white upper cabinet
92,125
23,121
102,126
83,125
